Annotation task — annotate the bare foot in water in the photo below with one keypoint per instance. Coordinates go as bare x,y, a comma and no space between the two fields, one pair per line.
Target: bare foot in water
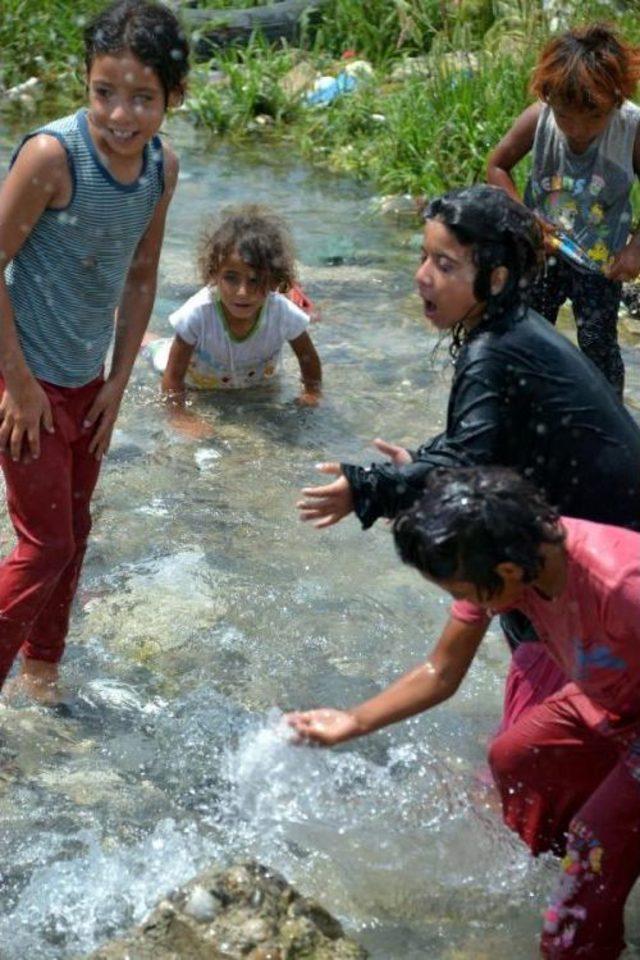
37,681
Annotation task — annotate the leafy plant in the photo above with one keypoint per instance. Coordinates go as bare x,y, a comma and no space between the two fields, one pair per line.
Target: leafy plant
251,87
42,37
378,30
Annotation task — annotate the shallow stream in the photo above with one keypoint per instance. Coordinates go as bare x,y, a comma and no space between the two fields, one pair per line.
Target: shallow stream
206,609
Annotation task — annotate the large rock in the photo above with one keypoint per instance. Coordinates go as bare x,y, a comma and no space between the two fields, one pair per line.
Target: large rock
246,912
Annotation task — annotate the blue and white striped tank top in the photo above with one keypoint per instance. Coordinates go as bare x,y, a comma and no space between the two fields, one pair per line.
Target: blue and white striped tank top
66,280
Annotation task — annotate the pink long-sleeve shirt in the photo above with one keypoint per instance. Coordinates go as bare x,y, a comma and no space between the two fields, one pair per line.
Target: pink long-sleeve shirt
592,629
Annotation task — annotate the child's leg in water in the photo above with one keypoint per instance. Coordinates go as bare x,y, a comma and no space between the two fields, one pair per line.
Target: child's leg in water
533,676
49,502
585,916
45,646
565,788
596,302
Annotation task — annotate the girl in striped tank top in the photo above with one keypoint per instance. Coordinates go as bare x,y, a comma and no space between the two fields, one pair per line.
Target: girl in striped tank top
82,214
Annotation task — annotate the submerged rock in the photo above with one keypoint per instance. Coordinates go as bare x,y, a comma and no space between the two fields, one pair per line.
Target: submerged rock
246,912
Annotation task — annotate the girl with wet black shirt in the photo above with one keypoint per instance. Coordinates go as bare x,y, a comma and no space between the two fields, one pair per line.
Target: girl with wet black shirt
522,395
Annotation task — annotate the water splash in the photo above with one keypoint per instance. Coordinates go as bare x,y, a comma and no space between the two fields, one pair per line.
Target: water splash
71,905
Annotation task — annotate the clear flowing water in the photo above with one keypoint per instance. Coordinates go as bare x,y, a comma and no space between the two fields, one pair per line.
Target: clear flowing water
206,609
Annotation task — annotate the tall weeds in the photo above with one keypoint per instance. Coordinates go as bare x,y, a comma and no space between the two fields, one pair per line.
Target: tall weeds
379,29
42,37
250,87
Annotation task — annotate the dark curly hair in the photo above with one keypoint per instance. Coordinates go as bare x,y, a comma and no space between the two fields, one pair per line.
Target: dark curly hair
470,520
150,31
589,68
259,237
501,233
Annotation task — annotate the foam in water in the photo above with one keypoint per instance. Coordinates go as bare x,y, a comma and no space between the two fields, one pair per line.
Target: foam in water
70,906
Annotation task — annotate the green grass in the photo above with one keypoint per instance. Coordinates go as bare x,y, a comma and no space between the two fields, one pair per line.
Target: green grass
231,4
251,88
43,38
423,134
379,29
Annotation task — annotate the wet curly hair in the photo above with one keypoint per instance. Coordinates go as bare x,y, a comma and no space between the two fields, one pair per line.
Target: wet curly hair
150,31
589,68
471,519
500,232
260,238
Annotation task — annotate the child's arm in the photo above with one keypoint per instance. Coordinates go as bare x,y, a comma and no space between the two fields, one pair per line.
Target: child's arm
38,179
310,369
173,388
626,264
420,689
176,370
512,148
132,316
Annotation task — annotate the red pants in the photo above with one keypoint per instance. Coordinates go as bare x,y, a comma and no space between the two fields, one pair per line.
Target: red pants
48,501
572,785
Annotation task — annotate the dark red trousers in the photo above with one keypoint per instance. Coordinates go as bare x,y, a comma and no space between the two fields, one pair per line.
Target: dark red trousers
571,784
48,501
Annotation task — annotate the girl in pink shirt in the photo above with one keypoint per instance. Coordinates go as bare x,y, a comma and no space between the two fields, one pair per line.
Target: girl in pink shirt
568,770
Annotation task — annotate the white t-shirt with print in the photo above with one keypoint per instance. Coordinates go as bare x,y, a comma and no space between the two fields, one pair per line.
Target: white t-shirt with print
222,361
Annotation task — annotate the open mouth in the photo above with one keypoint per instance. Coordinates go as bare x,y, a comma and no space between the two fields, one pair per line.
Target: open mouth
429,306
123,136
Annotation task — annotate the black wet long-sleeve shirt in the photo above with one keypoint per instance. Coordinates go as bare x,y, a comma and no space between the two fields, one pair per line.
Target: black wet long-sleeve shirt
524,397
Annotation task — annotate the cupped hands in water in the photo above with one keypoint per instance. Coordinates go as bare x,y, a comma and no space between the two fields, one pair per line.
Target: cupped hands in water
328,504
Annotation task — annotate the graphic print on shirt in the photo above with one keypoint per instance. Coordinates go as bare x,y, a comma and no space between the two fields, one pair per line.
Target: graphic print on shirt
586,195
207,372
580,206
587,659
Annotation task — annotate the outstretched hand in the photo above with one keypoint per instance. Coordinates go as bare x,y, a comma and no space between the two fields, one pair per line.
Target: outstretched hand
323,506
324,726
398,455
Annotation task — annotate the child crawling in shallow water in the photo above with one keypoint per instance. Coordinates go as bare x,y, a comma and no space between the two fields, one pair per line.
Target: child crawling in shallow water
568,770
230,334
